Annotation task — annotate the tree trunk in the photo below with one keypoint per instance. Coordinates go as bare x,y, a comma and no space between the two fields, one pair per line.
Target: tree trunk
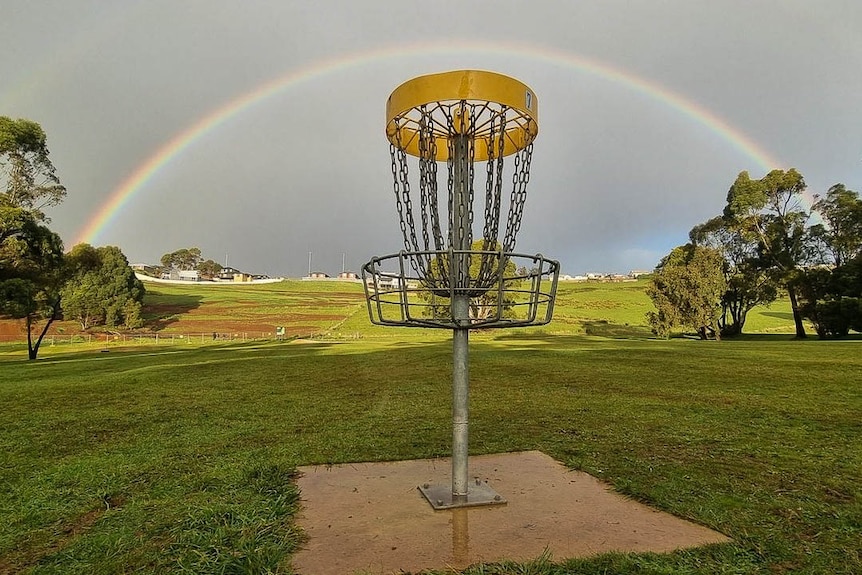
797,314
743,314
33,350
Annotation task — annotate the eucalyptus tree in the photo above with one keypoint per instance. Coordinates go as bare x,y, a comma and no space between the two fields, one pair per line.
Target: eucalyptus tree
182,259
769,212
840,234
686,290
749,282
483,306
101,288
31,273
27,176
31,255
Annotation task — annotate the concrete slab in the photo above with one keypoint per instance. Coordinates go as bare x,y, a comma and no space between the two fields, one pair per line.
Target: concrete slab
371,518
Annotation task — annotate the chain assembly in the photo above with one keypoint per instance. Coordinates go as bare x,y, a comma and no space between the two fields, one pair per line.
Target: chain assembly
421,228
439,128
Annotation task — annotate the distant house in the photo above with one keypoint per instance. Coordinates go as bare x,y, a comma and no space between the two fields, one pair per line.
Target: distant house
390,281
318,275
145,268
189,275
348,276
227,274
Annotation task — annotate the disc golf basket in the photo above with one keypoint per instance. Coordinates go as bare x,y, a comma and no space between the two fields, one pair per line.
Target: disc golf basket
443,278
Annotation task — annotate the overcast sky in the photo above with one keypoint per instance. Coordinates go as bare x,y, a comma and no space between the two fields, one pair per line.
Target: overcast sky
648,111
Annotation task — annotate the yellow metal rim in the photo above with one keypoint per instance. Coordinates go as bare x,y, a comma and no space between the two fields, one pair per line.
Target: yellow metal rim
486,90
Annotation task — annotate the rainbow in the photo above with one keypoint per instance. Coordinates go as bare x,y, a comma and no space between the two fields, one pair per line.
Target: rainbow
209,123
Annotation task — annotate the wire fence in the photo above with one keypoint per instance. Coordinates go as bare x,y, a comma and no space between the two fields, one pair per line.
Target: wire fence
154,338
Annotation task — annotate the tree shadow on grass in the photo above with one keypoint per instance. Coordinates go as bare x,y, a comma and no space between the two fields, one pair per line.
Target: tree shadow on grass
603,328
759,337
164,309
592,331
785,315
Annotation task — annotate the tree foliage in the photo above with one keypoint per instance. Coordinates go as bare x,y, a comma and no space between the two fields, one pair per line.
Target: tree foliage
769,212
209,268
749,282
31,255
182,259
832,299
840,234
481,307
830,295
102,289
31,272
27,176
686,289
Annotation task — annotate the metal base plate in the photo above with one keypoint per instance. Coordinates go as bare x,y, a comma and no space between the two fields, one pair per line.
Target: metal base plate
478,494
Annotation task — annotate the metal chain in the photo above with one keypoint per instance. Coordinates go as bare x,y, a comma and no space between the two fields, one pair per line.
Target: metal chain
439,243
403,203
427,181
493,194
471,156
395,154
461,217
520,178
450,189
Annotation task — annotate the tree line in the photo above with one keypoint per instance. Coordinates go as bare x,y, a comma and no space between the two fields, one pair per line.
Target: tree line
761,246
39,282
189,259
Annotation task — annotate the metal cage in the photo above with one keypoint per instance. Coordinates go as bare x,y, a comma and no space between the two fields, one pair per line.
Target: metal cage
520,293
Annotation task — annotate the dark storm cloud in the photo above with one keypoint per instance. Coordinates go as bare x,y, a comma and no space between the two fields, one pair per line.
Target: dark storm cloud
618,178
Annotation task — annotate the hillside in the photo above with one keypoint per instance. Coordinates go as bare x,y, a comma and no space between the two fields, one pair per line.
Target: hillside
338,309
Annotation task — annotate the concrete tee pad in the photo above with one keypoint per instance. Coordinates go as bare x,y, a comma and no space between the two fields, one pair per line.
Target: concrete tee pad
371,518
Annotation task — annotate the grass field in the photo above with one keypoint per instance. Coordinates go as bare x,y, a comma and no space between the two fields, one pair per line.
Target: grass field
337,310
182,459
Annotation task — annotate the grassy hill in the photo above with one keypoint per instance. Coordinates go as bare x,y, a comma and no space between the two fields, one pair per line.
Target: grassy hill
338,310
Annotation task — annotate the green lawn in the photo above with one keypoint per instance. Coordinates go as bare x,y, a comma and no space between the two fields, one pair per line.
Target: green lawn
181,459
337,310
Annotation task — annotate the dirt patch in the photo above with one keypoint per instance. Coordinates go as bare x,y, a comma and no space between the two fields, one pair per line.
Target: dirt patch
12,327
369,517
163,309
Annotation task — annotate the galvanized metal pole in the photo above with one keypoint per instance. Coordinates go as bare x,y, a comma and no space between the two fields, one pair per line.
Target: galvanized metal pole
460,403
460,240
